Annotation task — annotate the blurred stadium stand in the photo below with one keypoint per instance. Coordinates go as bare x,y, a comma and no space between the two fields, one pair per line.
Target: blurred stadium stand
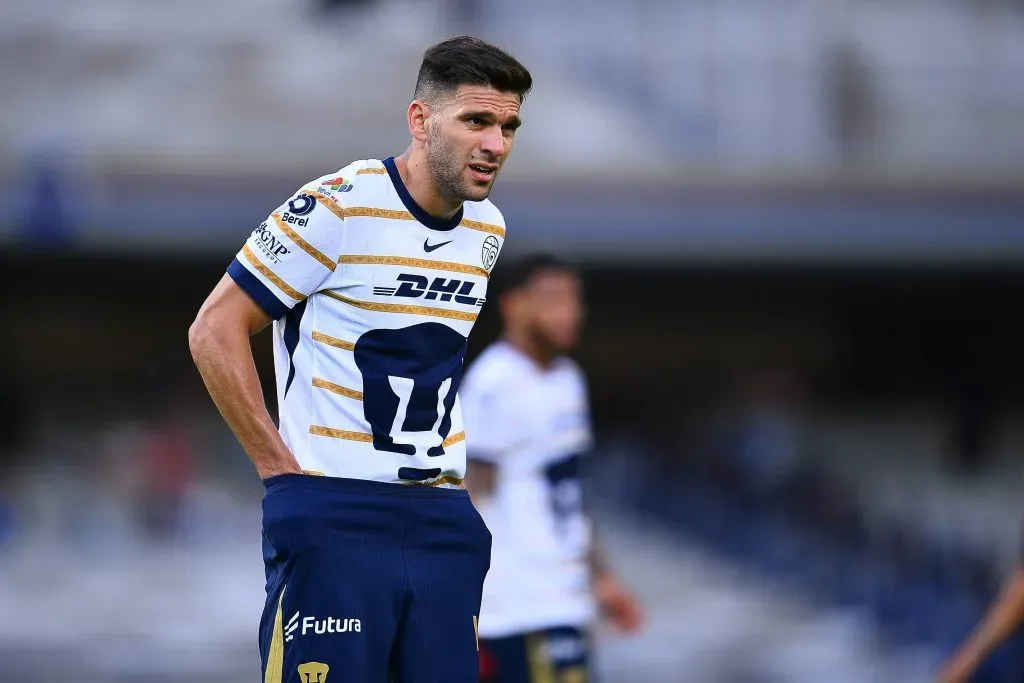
802,227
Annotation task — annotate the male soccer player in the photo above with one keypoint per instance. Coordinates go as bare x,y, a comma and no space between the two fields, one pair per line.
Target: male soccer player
528,427
373,277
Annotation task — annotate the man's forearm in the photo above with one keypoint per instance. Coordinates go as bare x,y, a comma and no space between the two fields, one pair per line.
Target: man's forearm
1003,619
596,558
480,481
224,359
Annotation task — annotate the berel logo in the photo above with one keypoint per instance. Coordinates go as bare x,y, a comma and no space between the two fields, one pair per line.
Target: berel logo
440,289
294,220
302,205
305,625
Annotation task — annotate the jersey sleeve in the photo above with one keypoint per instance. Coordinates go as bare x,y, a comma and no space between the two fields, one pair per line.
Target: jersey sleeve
290,255
487,418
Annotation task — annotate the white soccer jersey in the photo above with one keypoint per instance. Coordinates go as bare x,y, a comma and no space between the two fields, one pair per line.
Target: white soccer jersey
373,300
533,424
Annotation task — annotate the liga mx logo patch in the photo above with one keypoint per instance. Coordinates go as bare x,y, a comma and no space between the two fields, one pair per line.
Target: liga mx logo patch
313,672
338,184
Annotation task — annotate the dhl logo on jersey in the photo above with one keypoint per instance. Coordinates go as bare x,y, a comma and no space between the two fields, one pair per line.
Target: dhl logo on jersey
440,289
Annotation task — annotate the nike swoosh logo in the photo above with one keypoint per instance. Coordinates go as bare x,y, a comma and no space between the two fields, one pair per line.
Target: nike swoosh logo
428,247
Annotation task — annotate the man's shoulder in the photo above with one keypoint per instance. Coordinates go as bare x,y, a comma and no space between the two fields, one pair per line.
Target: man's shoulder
494,366
574,376
568,366
348,180
485,213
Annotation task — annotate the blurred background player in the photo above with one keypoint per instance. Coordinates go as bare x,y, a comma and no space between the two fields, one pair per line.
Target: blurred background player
528,430
373,277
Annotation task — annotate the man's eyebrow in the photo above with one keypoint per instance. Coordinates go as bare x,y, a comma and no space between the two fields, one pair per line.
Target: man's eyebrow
514,121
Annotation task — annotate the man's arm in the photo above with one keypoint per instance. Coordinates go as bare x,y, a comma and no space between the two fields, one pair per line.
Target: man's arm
616,603
999,623
481,478
219,341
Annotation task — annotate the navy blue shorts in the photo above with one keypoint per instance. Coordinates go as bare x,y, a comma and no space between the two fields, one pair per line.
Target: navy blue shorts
370,582
554,655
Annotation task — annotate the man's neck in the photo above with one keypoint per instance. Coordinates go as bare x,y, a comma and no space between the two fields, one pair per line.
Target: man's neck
542,356
416,176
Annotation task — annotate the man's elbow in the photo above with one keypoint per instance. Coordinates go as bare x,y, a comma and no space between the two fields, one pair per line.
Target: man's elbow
201,335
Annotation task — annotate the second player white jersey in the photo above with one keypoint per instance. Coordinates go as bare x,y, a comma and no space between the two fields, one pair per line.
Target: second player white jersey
533,425
373,300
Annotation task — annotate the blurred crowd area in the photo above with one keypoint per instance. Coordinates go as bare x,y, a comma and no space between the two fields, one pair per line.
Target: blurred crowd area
801,227
723,87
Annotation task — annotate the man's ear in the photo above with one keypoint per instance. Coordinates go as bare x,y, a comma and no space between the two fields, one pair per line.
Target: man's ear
418,114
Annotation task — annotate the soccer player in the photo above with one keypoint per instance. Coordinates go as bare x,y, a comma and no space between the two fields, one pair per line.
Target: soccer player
373,277
1003,619
528,427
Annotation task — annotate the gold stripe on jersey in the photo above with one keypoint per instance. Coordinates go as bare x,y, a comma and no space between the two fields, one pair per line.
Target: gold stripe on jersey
328,201
376,170
400,215
271,275
454,439
483,227
337,389
369,212
415,263
333,341
319,430
323,258
403,308
340,434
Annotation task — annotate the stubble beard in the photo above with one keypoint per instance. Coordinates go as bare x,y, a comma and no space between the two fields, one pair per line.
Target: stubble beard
446,170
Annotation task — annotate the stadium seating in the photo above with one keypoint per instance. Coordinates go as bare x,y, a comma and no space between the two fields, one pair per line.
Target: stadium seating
203,86
278,88
866,536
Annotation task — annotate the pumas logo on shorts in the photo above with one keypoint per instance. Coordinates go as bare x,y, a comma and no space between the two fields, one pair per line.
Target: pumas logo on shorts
313,672
319,626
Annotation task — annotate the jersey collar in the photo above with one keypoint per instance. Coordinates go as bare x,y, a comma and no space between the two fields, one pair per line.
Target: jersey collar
417,211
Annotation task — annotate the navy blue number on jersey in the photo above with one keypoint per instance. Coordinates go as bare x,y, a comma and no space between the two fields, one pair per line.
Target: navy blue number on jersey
410,379
565,490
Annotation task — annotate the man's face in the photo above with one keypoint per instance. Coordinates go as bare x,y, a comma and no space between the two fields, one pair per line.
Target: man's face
554,308
470,137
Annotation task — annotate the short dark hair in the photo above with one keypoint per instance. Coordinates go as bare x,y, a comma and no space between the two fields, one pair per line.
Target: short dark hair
515,275
465,60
